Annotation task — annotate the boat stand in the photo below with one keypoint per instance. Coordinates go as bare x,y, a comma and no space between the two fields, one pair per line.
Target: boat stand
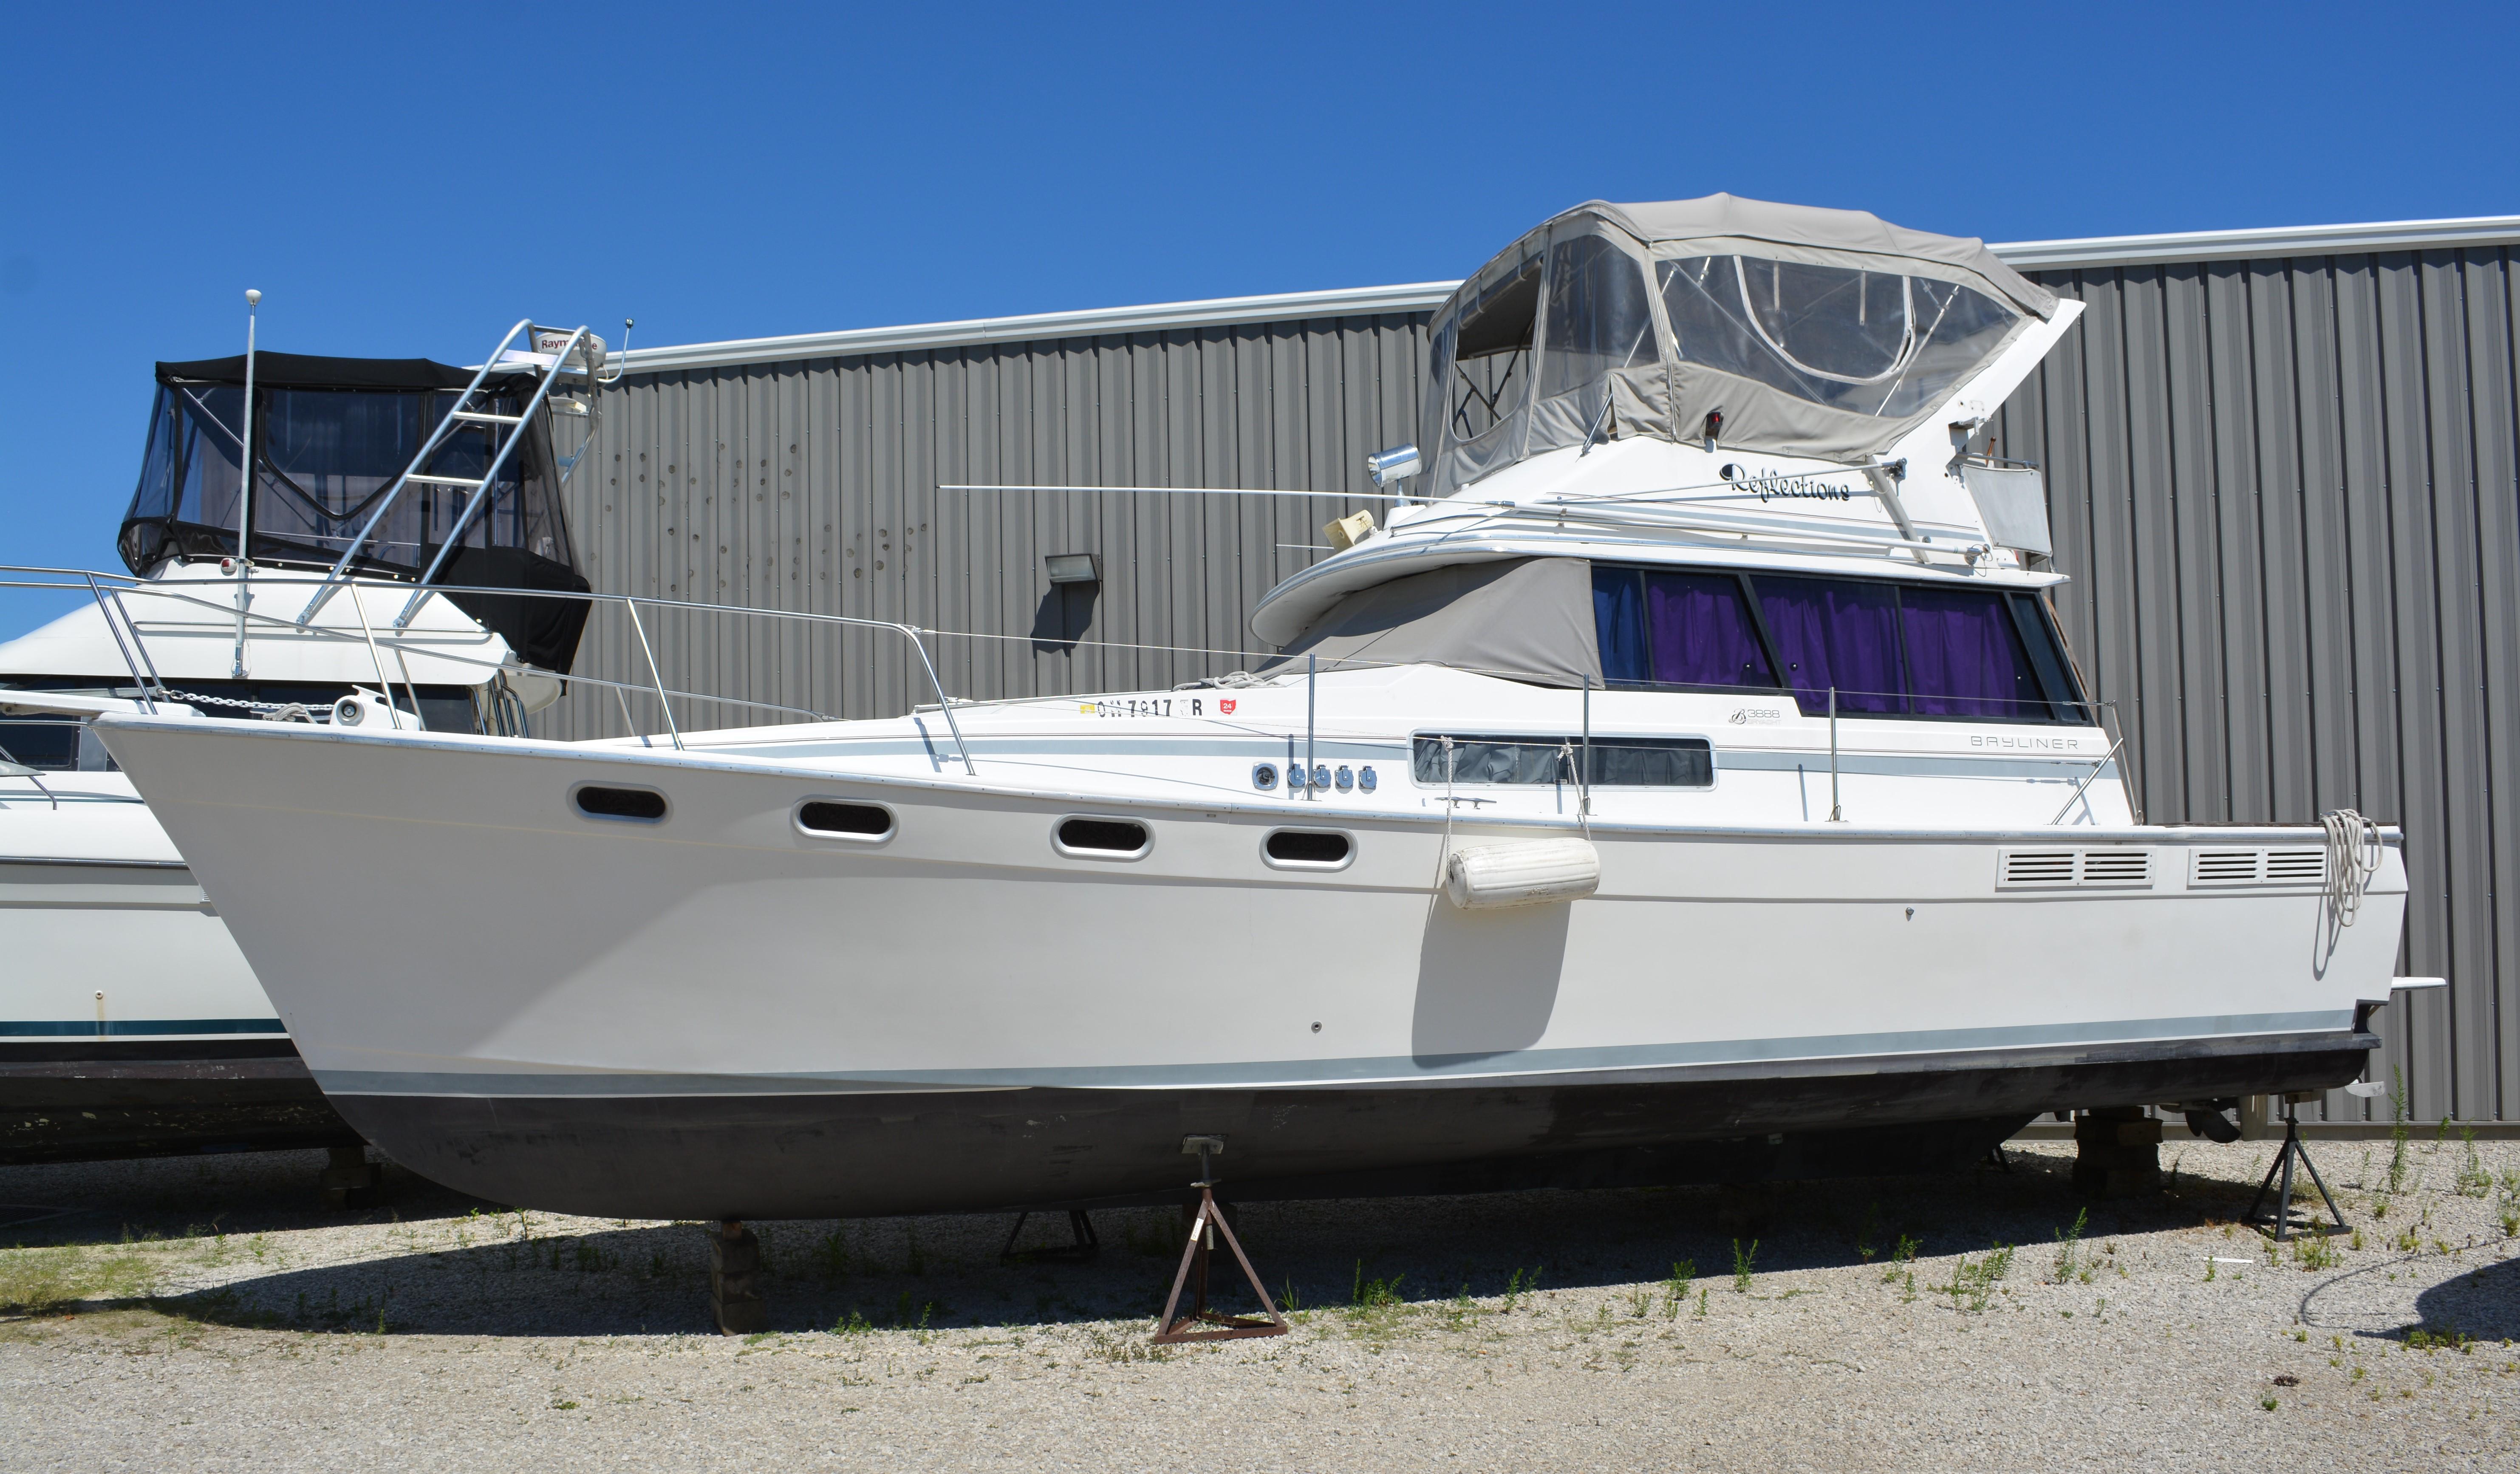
1204,1225
1084,1248
2292,1148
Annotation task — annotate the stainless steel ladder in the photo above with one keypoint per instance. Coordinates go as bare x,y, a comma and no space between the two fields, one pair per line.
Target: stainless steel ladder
555,352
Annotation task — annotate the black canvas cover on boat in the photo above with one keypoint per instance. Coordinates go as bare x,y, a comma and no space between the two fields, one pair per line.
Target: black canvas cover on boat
331,437
544,631
308,370
1528,618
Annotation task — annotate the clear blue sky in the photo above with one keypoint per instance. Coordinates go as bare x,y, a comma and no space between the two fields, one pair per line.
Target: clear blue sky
407,179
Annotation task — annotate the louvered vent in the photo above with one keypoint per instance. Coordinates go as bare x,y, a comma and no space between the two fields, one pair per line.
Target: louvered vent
2117,866
2226,867
2075,868
2037,868
2296,866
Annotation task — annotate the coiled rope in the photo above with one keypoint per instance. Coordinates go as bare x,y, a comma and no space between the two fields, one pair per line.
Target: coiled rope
2353,859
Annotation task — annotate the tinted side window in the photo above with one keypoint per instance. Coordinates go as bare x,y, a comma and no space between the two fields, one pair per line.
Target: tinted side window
1965,656
1833,633
1677,629
1623,762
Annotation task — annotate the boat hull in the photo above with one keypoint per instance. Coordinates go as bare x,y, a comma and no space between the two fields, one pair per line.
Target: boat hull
821,1155
719,1013
130,1026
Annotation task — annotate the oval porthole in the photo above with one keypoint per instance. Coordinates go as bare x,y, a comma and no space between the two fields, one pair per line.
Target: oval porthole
1103,839
639,805
1308,849
826,819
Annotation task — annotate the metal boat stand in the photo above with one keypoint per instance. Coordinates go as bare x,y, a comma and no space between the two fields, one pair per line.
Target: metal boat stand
1085,1247
2293,1147
1204,1227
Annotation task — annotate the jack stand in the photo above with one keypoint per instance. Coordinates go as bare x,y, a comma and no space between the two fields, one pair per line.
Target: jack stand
734,1289
1204,1225
1084,1249
349,1179
2292,1148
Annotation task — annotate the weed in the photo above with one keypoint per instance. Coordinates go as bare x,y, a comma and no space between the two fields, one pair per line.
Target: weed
1902,1260
2473,1179
1973,1285
1524,1283
1907,1291
2397,1131
1702,1304
34,1282
2313,1252
1863,1236
590,1258
2210,1263
2358,1241
563,1404
853,1324
2506,1201
1674,1290
2069,1243
2268,1402
1373,1294
831,1255
2449,1338
1640,1301
1289,1300
1741,1263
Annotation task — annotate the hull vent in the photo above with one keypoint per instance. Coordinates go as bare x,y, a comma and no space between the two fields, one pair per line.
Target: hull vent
2057,870
2293,867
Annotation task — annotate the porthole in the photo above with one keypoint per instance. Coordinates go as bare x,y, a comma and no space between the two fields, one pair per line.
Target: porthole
1308,849
1102,838
634,805
832,818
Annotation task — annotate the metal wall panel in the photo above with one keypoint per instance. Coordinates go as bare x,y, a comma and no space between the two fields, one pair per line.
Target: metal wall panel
2289,495
2288,492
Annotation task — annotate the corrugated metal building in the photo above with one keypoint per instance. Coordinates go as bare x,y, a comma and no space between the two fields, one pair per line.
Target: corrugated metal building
2283,468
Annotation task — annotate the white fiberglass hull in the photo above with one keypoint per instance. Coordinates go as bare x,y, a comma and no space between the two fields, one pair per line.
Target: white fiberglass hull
720,1014
130,1026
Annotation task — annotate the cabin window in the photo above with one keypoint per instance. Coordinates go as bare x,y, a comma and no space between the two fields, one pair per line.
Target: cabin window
823,817
1103,839
639,805
1617,762
1677,629
1308,847
1888,648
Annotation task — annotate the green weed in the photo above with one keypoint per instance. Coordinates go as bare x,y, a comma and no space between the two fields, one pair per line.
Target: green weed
1674,1290
1741,1265
2069,1244
1973,1285
2314,1253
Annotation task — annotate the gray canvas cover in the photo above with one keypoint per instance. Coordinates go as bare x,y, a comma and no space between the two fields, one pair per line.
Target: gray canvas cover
1530,618
1814,332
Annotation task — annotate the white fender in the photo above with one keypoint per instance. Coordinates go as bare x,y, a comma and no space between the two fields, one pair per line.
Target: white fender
1521,873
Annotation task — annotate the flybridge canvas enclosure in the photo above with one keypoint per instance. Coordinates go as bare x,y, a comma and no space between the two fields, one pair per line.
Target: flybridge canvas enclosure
329,436
1812,332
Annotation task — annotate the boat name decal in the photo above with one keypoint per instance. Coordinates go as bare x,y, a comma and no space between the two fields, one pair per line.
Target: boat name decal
1768,486
2040,744
1147,706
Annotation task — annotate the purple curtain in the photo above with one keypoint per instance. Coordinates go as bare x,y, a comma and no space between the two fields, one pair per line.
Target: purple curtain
1701,631
1844,634
1966,658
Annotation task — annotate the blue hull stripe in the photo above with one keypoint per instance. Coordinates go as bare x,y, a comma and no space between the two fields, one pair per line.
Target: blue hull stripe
112,1028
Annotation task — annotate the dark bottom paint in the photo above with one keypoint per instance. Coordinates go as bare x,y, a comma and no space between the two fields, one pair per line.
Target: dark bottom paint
950,1151
88,1101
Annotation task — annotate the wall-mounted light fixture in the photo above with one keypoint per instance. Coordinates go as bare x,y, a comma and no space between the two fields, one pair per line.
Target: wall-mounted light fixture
1073,568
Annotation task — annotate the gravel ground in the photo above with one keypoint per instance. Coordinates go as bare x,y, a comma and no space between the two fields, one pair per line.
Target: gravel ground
204,1313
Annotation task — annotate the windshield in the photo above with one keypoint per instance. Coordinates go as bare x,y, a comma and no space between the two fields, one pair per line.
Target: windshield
1874,343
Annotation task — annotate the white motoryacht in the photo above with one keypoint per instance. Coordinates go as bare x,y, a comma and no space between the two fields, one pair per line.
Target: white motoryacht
129,1022
1686,781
